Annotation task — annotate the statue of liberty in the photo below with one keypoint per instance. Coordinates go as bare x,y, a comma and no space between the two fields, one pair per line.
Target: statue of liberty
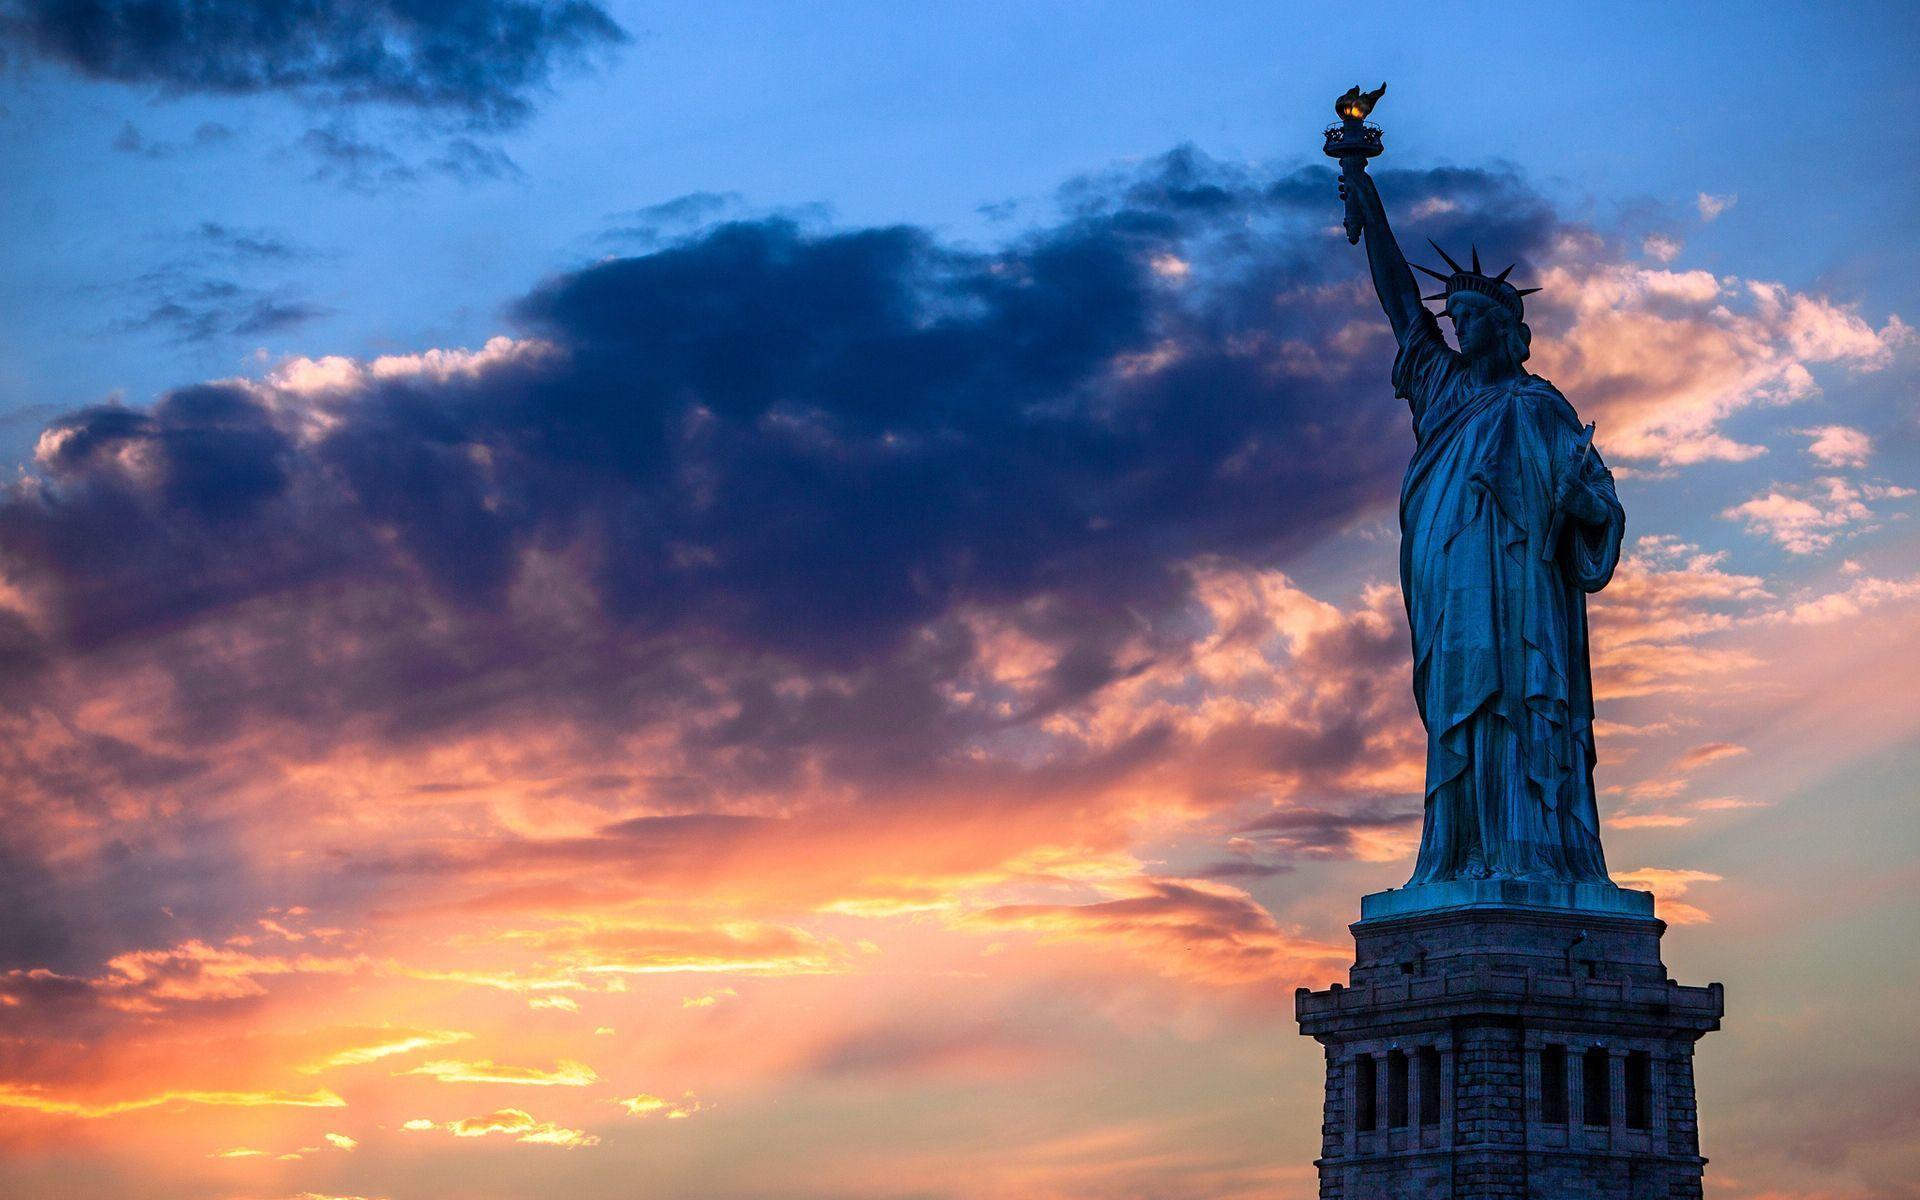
1507,519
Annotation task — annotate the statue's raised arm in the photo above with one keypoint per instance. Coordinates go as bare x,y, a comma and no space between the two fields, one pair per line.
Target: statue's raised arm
1392,278
1351,142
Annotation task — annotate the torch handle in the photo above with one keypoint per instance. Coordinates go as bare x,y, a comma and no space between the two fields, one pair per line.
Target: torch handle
1351,166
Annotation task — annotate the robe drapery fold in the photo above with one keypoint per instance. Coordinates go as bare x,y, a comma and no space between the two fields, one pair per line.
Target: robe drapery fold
1501,673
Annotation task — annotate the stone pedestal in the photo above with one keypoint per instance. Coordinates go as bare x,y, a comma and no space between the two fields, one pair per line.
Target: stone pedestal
1509,1040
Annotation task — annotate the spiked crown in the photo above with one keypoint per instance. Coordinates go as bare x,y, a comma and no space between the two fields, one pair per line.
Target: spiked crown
1470,279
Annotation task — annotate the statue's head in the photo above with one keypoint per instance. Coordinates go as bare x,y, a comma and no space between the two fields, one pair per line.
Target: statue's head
1488,330
1488,313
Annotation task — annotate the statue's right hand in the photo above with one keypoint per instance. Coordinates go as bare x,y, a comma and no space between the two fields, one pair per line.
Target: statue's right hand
1352,171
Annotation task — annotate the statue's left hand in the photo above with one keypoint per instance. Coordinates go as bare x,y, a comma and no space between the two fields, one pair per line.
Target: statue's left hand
1579,500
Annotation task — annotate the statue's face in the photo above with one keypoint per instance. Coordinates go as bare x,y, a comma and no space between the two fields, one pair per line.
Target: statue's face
1479,324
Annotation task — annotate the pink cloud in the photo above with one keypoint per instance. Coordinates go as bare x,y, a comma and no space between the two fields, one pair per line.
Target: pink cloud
1805,520
1838,445
1663,358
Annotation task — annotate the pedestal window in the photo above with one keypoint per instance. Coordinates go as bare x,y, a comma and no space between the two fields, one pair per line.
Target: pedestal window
1397,1090
1553,1085
1639,1090
1429,1059
1594,1086
1366,1108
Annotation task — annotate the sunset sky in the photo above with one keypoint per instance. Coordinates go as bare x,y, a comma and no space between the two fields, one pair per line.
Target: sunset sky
703,601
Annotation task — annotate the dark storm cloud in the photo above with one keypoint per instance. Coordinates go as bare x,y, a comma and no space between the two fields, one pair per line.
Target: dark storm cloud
484,61
743,491
767,451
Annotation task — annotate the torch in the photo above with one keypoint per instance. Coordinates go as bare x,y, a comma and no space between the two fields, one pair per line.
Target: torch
1353,140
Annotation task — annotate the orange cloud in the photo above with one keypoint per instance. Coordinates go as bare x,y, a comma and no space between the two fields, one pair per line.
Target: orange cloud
729,947
645,1105
194,971
565,1073
515,1123
1647,821
1667,886
1705,753
14,1096
403,1041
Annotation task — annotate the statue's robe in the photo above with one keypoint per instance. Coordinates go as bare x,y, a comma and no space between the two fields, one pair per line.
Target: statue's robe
1500,633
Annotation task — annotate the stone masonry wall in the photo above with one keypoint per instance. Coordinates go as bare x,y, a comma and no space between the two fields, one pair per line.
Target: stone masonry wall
1490,1114
1422,994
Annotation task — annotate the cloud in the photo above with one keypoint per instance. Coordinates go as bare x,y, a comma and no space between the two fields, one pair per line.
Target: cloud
468,161
839,609
1706,753
15,1096
1653,622
645,1105
617,948
393,1042
342,157
565,1073
186,975
1196,929
328,1141
1667,886
1315,833
484,63
216,309
1807,519
1838,445
1860,595
1663,358
217,287
131,141
515,1123
1712,206
345,157
1648,802
249,245
741,497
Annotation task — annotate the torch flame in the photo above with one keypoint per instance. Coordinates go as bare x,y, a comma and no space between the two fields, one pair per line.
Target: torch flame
1356,104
